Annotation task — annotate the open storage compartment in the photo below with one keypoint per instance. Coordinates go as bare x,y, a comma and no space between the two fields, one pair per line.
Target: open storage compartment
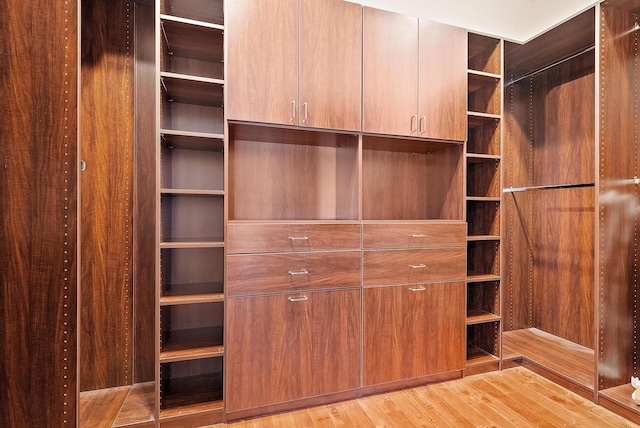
406,179
279,173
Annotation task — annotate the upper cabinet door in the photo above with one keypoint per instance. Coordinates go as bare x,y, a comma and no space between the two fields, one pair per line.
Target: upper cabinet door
390,73
443,81
330,64
262,60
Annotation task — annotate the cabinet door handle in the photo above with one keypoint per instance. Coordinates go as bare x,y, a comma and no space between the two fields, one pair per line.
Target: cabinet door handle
306,113
418,235
420,266
298,299
423,124
417,289
414,123
298,238
293,111
299,272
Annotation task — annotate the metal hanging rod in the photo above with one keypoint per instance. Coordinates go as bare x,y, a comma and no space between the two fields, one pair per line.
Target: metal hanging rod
533,73
548,187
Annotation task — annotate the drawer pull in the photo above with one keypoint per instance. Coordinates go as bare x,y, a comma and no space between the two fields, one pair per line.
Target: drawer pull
298,238
418,235
420,266
298,299
299,272
417,289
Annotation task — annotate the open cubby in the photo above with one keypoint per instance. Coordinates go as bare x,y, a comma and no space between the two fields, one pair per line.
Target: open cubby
483,342
484,54
191,49
483,257
190,386
191,218
483,218
192,169
291,174
485,95
483,301
411,180
483,177
211,11
191,275
484,137
191,331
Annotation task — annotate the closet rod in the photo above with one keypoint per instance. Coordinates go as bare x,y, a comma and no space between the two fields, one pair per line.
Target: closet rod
511,82
550,186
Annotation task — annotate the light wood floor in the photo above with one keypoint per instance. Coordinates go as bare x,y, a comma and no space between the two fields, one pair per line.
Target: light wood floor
514,397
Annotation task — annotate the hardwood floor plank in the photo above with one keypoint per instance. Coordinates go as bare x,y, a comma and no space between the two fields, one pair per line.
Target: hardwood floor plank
515,397
100,408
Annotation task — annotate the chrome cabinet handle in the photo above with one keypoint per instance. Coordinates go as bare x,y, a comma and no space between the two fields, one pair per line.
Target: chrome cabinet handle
418,235
414,123
423,124
417,289
298,299
293,111
420,266
299,272
298,238
306,113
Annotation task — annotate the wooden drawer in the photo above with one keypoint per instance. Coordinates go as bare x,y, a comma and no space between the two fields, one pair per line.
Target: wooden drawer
385,267
282,237
412,235
272,273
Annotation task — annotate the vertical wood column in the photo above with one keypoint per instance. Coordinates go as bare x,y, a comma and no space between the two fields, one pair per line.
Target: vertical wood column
107,129
38,212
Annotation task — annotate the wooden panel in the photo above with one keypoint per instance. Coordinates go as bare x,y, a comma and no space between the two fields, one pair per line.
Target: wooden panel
416,234
262,60
442,81
330,64
382,267
278,237
100,408
270,273
138,407
145,208
106,337
38,213
201,10
618,221
390,73
409,333
279,350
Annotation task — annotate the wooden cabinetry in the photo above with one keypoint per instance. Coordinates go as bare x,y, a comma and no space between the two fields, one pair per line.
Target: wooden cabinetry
295,63
414,80
483,202
413,299
191,200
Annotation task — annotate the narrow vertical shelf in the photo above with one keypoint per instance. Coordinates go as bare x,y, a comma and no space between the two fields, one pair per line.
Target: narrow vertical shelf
483,203
191,198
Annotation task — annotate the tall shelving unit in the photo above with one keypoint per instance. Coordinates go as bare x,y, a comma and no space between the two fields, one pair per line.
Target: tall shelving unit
483,202
191,198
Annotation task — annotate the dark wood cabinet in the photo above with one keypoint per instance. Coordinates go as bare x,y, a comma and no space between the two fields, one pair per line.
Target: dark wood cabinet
412,331
414,81
295,63
291,346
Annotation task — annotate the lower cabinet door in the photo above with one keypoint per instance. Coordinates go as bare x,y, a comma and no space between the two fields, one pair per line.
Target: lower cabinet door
290,346
413,331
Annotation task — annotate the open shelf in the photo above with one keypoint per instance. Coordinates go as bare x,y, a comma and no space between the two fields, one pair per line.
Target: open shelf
483,258
118,407
191,217
191,387
192,48
282,173
426,179
483,218
190,90
200,10
189,274
183,345
483,178
483,301
483,342
477,119
189,140
484,137
485,94
619,400
185,294
191,163
484,54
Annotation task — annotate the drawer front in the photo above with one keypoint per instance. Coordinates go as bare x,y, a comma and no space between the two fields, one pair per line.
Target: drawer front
385,267
412,235
263,237
272,273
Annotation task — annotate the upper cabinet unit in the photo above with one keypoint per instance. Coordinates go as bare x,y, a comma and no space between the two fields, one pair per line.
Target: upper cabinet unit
295,63
415,80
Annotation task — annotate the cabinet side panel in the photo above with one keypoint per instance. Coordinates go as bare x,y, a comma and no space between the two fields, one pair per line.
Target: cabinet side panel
38,213
107,193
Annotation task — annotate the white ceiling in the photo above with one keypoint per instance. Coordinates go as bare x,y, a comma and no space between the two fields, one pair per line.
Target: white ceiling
514,20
